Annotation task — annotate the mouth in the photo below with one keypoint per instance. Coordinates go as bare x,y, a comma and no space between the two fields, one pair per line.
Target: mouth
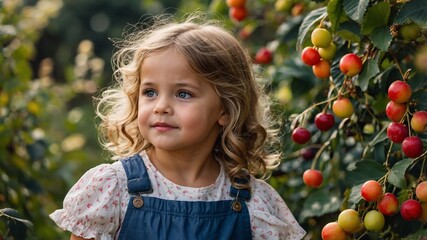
161,126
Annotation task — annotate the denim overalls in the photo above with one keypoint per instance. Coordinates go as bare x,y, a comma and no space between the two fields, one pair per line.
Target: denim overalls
154,218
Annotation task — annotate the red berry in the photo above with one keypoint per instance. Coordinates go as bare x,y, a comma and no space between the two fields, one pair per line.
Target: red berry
236,3
411,210
412,147
238,13
395,111
371,191
397,132
310,56
301,135
322,70
263,56
312,178
324,121
308,153
388,205
350,64
399,92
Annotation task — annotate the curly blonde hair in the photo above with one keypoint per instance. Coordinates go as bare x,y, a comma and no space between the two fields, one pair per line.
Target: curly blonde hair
244,144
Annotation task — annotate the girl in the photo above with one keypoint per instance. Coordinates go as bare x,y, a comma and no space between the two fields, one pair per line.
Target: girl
187,121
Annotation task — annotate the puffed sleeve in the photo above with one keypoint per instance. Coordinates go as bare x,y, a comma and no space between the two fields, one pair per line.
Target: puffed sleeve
91,209
270,216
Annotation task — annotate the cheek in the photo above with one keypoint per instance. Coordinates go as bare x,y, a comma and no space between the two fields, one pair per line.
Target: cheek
142,117
201,117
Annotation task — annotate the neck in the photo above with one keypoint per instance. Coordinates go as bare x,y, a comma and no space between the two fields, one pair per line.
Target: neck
195,169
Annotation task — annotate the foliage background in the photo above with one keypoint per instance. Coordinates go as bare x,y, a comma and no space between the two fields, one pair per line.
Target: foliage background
55,57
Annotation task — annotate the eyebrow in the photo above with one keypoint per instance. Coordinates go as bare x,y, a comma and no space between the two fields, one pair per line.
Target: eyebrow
179,84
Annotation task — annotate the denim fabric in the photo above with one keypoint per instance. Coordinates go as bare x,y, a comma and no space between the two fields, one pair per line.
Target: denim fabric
169,219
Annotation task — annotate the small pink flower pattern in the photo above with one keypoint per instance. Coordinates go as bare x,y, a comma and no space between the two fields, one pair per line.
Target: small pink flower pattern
96,205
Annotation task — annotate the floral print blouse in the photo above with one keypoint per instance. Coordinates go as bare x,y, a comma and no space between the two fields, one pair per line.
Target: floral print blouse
96,205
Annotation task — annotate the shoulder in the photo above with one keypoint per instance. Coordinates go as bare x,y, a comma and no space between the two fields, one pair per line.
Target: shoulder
270,216
93,206
100,178
265,197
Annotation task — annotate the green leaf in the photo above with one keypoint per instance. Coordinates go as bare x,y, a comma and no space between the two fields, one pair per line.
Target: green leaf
380,137
355,9
415,10
17,225
309,21
376,16
397,173
418,81
381,37
420,97
379,104
378,152
370,70
365,170
349,31
319,203
419,94
417,235
336,14
295,69
354,195
288,30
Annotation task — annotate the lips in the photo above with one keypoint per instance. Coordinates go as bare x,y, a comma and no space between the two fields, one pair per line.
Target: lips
162,126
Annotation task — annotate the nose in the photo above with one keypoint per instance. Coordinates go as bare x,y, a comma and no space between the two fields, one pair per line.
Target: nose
162,106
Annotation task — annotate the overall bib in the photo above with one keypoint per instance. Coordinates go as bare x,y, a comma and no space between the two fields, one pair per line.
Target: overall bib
154,218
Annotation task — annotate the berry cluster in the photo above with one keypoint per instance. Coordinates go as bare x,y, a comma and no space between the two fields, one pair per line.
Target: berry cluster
319,56
321,53
348,113
399,93
379,206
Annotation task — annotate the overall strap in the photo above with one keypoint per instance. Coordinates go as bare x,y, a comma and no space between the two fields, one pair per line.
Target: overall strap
240,193
138,180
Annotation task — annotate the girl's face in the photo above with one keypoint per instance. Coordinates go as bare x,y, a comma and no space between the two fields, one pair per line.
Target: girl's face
177,110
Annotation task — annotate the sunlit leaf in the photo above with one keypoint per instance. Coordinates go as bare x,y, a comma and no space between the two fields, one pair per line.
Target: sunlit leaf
376,16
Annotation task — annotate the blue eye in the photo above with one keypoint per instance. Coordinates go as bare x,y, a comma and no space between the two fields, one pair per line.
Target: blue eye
183,94
150,93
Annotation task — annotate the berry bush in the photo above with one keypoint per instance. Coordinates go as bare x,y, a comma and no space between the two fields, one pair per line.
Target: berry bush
350,78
